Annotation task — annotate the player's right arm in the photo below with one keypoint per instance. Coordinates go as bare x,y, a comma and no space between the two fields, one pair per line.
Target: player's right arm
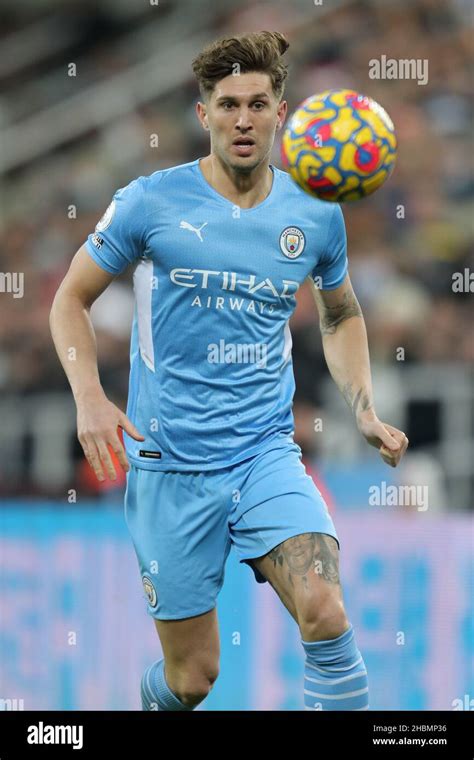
74,339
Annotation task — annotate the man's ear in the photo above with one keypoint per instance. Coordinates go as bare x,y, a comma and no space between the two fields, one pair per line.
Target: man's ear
282,111
202,114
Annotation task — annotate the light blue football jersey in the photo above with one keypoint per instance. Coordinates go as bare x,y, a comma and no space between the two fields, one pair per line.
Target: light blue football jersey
211,376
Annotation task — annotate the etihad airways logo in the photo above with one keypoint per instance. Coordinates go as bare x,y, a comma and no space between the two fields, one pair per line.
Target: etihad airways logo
231,281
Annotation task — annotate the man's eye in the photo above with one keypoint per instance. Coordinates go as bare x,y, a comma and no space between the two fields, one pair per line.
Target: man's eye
227,106
259,105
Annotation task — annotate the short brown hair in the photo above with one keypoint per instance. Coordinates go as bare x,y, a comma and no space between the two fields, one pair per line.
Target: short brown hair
258,51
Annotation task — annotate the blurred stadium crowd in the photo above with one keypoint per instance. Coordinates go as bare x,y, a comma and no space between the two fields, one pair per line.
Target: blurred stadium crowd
405,242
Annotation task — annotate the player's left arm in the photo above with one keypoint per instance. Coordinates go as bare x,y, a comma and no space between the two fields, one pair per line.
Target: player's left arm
347,355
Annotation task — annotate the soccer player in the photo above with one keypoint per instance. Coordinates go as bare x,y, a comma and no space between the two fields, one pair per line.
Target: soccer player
220,247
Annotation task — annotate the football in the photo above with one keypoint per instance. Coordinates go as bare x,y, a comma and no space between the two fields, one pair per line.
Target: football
339,146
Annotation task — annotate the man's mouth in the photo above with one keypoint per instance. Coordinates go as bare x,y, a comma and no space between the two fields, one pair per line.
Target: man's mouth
243,145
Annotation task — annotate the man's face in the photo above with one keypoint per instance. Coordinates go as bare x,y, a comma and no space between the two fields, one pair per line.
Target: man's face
242,115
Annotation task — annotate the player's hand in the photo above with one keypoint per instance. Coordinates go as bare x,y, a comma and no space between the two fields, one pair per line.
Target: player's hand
390,442
97,423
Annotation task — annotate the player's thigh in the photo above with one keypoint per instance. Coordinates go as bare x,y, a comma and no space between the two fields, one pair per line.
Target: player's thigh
304,571
191,646
179,530
282,528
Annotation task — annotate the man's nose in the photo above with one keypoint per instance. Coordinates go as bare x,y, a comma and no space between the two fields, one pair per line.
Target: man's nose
244,120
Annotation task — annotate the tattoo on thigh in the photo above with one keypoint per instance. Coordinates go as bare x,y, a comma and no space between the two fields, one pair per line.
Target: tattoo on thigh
308,552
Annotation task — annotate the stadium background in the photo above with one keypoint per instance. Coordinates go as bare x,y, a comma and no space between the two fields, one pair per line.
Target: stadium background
74,633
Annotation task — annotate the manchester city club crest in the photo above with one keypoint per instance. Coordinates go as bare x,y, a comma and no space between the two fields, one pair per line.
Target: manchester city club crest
150,590
292,242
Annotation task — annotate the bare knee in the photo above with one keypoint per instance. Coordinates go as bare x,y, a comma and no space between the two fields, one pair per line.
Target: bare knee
319,621
191,684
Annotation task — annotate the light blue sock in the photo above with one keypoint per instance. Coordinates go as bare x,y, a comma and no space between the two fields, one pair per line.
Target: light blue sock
155,692
335,677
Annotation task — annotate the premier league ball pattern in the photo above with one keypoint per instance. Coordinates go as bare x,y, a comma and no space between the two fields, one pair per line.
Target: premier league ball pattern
339,146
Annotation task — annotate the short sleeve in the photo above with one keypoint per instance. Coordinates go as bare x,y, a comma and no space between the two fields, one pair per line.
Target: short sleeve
332,267
118,237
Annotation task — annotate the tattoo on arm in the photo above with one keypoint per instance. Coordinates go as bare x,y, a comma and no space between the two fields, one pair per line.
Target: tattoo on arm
332,316
359,400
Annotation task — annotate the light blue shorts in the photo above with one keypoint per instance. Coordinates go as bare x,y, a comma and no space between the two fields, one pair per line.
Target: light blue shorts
183,524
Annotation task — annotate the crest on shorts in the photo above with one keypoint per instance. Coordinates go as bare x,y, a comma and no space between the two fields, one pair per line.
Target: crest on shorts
150,590
292,242
105,221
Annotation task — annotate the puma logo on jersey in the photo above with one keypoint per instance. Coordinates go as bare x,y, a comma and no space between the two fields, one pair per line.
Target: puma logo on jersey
187,226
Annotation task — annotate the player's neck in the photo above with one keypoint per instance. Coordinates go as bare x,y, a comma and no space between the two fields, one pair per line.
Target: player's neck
245,190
